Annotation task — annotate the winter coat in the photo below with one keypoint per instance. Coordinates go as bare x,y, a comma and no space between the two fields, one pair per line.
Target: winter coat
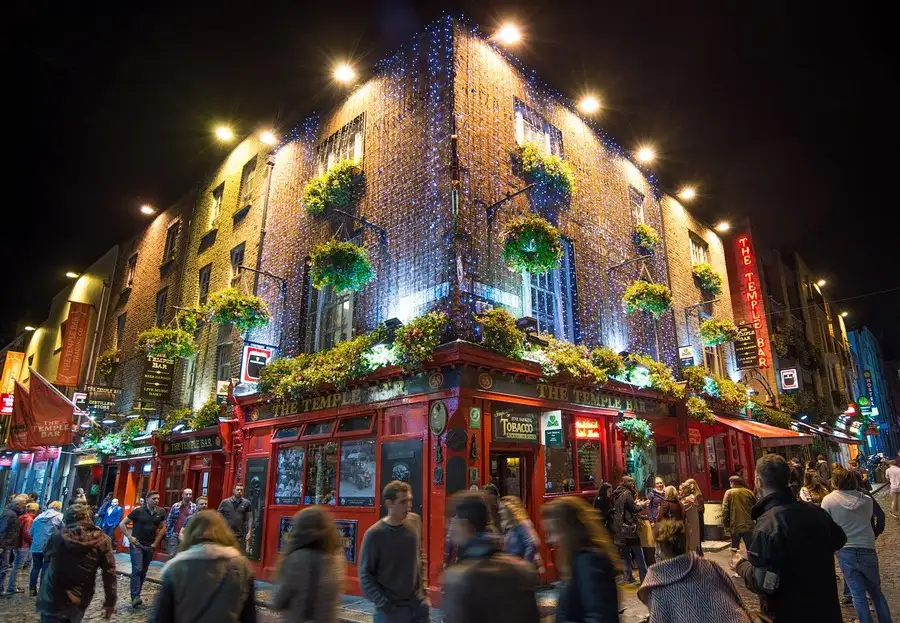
852,511
790,562
656,499
626,514
25,521
309,586
688,588
824,471
9,528
523,542
71,559
605,507
43,526
671,509
590,595
487,586
737,507
691,522
207,583
109,521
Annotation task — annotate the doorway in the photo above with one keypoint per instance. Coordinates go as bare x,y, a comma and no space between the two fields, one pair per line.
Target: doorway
510,473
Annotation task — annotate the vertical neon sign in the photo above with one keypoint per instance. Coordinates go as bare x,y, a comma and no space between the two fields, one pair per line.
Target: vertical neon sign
752,299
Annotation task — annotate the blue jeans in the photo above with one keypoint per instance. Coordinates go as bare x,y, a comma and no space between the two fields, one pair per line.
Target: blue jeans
59,618
38,564
627,551
5,567
21,555
860,568
141,556
416,613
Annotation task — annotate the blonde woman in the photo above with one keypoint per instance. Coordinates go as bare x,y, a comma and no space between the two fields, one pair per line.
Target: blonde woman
520,539
586,560
691,517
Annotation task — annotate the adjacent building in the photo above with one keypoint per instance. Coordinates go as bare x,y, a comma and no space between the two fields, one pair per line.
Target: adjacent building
872,393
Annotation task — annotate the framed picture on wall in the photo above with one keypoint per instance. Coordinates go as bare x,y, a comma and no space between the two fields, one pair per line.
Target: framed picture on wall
347,530
289,475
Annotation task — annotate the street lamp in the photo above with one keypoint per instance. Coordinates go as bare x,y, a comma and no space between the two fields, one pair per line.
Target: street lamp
29,328
589,104
224,134
508,34
344,73
821,283
844,314
646,154
148,209
722,226
687,193
72,275
268,137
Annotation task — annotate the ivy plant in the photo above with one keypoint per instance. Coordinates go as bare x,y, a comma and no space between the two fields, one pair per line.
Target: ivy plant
650,297
531,243
772,417
637,432
500,334
106,362
710,281
206,416
660,376
646,238
167,342
245,311
415,342
699,410
715,331
172,419
336,188
573,360
342,265
608,360
547,170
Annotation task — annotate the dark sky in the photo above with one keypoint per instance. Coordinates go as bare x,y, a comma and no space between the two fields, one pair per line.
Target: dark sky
783,111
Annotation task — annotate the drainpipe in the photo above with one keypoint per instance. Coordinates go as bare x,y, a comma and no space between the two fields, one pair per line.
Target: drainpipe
98,330
270,165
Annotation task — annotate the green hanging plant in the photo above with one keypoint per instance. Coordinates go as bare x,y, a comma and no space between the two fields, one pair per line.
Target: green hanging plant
660,377
245,311
91,438
342,265
650,297
732,395
167,342
716,331
770,416
646,238
547,170
695,377
699,410
106,362
531,243
415,342
336,188
608,360
172,419
132,428
189,318
571,360
788,404
637,432
710,281
500,334
207,416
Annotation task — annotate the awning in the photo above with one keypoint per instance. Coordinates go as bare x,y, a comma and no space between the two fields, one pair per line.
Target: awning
769,436
842,438
832,434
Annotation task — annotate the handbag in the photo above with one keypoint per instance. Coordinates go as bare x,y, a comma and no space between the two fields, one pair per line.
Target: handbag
629,530
646,530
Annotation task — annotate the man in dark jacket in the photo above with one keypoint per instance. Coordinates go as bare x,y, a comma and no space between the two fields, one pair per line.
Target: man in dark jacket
790,561
797,474
485,585
71,559
626,527
10,529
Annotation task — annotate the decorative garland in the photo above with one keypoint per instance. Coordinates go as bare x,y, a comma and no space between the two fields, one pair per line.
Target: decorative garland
106,362
574,361
342,265
500,334
207,416
335,188
649,297
547,170
532,244
716,331
637,432
167,342
415,343
710,281
245,311
699,410
646,238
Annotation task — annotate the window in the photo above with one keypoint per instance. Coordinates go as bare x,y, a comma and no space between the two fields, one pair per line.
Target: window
223,362
205,274
237,260
317,429
190,380
175,476
120,330
360,424
330,319
321,473
699,250
171,242
289,475
533,128
345,144
161,297
716,462
550,297
559,470
636,200
713,360
130,269
215,208
61,335
248,174
357,485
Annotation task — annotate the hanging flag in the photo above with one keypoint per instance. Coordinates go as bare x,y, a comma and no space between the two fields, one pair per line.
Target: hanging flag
12,368
21,418
77,324
52,413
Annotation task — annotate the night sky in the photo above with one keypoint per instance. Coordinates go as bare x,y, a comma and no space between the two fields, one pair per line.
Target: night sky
786,112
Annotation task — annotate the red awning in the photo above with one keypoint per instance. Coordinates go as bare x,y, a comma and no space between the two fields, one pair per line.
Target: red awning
769,436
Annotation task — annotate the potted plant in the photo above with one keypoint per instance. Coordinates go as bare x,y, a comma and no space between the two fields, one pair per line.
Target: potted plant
710,281
646,238
636,432
167,342
650,297
334,188
547,170
342,265
245,311
716,331
532,244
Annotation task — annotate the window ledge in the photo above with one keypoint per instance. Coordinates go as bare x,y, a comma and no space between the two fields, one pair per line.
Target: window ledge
240,214
166,266
126,290
207,240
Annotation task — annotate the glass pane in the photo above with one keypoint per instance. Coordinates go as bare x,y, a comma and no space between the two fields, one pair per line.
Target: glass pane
318,428
289,475
357,486
355,424
321,469
559,474
588,464
722,463
711,462
287,433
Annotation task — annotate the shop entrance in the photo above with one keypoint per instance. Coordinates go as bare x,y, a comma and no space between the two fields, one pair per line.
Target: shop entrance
510,473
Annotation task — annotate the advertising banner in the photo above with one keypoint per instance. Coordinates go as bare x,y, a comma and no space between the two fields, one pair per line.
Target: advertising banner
52,413
751,298
12,370
77,324
21,418
515,423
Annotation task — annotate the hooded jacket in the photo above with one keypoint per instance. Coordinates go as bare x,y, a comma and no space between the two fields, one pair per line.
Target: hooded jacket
687,588
71,559
626,513
207,583
852,511
25,521
486,586
43,526
309,586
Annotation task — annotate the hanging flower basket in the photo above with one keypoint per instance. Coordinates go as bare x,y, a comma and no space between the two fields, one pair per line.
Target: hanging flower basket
532,244
710,281
167,342
646,238
547,170
106,362
245,311
189,318
650,297
500,334
699,410
342,265
207,416
715,331
637,432
415,343
336,188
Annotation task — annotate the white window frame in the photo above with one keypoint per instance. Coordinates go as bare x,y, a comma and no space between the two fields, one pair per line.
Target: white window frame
162,295
171,246
636,201
215,207
699,250
236,267
530,127
347,143
248,177
563,311
714,360
325,301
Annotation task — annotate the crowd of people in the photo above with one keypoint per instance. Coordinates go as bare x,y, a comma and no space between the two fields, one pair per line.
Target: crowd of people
793,526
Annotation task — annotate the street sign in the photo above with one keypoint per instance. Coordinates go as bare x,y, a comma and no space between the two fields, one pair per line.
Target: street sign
686,356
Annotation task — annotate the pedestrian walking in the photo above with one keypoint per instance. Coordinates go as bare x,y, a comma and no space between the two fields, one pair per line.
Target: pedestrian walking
737,510
148,528
797,476
655,498
691,508
520,539
110,518
202,504
238,512
683,587
43,526
625,527
178,514
493,502
587,561
392,564
823,470
836,470
790,562
10,529
72,557
671,506
103,506
485,585
813,491
311,575
893,476
23,546
853,511
603,503
209,580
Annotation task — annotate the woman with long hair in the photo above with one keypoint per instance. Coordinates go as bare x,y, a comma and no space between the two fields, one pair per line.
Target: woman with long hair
209,580
586,560
694,489
311,573
520,539
603,504
627,529
813,491
692,525
671,506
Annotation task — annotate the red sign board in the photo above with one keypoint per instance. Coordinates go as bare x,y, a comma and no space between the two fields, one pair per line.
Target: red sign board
25,457
46,454
694,436
73,344
587,428
6,404
5,461
753,310
254,359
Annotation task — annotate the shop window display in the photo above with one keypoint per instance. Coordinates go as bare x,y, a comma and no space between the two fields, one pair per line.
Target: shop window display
559,469
289,475
321,472
357,486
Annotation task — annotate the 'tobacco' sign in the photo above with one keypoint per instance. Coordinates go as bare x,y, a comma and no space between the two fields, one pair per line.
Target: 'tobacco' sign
516,424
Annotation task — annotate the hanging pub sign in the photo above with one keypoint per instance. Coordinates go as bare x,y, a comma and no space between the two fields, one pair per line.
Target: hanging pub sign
191,445
79,399
12,370
751,298
551,424
515,423
745,349
101,400
789,379
686,356
157,381
253,359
